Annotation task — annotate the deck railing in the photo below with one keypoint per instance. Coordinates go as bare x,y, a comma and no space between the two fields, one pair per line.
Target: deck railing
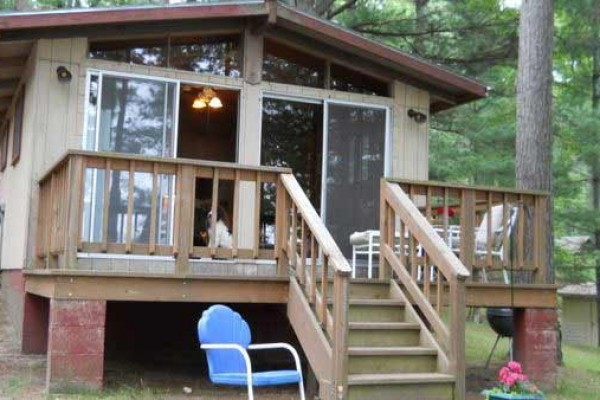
305,245
123,204
419,258
491,230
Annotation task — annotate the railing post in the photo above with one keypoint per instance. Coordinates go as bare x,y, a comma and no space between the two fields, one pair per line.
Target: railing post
457,340
467,229
281,228
340,335
384,267
185,202
75,165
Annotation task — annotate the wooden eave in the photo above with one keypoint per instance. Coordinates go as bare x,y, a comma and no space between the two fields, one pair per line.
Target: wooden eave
447,88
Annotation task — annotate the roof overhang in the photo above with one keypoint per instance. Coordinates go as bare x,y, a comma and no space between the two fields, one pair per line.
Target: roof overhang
448,89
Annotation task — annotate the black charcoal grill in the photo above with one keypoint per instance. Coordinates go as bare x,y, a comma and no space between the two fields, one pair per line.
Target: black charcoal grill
501,320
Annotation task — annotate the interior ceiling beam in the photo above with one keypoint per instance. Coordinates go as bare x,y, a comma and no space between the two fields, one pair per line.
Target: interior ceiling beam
8,84
5,102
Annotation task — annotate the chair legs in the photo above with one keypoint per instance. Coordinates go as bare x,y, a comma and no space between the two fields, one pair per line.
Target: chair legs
300,388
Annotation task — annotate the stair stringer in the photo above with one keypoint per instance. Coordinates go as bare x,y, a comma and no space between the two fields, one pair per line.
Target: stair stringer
311,338
427,337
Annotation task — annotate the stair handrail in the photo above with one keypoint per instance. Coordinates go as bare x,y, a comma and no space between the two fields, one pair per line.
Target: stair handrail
419,243
294,212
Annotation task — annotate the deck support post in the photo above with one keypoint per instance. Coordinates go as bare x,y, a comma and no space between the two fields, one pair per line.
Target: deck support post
535,344
75,344
185,224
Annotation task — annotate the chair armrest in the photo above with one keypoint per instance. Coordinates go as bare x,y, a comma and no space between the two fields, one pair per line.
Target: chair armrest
270,346
233,346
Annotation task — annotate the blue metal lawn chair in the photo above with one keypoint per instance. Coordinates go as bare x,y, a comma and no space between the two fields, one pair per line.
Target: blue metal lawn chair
226,338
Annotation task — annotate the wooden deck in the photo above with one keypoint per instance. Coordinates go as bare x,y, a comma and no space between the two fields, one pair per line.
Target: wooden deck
238,288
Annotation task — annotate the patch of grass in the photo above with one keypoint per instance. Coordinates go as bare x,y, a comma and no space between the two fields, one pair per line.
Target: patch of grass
12,386
120,393
579,378
480,339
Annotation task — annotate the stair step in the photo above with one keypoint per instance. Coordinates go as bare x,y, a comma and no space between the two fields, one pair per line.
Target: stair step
426,386
377,302
383,334
390,360
392,351
375,310
378,379
384,325
361,289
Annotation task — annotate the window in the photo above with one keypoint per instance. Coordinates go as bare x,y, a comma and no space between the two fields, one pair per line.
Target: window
136,116
347,80
18,126
283,64
217,55
130,115
4,146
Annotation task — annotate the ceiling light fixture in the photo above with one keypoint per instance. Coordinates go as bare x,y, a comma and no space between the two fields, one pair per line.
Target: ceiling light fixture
207,97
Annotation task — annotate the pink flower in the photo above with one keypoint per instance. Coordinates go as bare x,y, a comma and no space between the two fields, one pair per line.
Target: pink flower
515,367
503,374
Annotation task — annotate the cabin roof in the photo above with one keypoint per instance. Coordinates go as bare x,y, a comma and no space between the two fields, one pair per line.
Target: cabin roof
447,88
587,289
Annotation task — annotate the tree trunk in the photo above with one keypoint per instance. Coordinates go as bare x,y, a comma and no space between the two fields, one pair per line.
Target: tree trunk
421,20
534,106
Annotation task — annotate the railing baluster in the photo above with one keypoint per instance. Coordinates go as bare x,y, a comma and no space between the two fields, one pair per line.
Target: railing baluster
489,236
324,284
257,201
293,245
302,269
130,199
213,209
440,290
153,217
236,214
505,226
313,270
105,204
521,233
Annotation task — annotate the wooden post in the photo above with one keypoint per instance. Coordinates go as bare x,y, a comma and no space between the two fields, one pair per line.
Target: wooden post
457,340
384,268
281,229
74,214
467,229
541,231
185,201
340,334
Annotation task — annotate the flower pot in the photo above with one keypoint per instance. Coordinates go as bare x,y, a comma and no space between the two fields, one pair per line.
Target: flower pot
510,396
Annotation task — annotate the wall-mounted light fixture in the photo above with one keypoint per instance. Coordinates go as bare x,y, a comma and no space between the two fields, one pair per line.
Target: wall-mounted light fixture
63,74
418,116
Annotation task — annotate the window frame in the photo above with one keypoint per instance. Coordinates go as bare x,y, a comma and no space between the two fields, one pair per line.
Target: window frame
4,141
18,119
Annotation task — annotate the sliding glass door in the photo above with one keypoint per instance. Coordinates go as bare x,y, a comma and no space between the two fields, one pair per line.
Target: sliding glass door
355,150
351,138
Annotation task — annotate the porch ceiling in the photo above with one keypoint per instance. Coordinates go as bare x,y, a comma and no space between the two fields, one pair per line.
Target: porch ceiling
13,57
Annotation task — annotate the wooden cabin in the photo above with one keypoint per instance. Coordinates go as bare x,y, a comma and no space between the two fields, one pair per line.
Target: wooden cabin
128,135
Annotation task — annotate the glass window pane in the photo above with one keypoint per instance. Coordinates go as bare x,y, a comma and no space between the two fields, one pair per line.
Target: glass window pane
93,205
218,55
292,136
117,207
92,112
355,164
136,116
347,80
151,52
165,210
284,64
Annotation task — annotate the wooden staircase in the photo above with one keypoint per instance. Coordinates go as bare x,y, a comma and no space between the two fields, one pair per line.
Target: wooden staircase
390,355
379,339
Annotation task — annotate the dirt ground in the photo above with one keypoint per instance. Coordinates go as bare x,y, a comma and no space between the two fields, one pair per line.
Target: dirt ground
23,377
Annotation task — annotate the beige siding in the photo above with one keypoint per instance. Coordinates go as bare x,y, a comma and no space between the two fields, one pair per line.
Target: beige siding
579,321
16,181
411,140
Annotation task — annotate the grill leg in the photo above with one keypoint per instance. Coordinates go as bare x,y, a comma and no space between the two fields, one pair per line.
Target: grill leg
487,363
